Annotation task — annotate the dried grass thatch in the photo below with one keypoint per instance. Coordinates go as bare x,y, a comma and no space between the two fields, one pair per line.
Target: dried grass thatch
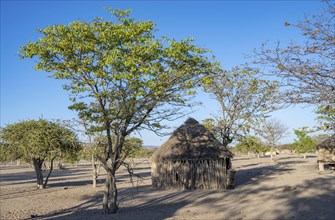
329,143
192,158
191,141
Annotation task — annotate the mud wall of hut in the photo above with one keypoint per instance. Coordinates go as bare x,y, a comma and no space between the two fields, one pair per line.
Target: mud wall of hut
192,174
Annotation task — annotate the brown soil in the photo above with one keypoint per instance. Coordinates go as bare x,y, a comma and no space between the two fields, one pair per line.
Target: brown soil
289,188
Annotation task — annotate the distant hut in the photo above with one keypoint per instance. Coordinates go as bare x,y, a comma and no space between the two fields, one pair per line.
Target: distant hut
192,158
326,151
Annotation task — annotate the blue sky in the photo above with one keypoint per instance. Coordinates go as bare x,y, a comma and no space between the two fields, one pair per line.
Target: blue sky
229,28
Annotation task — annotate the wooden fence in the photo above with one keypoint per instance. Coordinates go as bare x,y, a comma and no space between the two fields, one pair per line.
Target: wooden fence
192,174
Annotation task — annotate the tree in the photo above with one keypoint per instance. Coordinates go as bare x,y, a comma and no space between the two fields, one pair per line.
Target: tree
244,101
95,149
38,141
326,117
307,71
320,138
132,146
272,131
304,143
252,144
122,78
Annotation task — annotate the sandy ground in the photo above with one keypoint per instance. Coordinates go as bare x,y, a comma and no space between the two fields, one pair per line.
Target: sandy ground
289,188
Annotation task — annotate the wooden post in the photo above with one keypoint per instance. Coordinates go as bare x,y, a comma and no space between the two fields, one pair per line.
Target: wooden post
321,166
225,172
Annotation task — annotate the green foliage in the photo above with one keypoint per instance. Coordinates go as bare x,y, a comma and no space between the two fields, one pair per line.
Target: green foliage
209,123
326,117
290,147
244,101
131,147
40,139
251,144
143,153
121,77
303,143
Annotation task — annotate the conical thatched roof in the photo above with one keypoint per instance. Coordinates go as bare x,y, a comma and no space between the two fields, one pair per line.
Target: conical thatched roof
328,143
191,141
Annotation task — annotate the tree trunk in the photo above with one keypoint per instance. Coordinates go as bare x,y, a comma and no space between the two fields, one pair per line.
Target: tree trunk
110,193
305,156
106,193
60,164
113,204
95,171
51,167
38,170
109,201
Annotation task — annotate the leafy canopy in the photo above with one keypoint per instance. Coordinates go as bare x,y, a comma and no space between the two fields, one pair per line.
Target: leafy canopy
304,143
251,144
119,74
326,117
244,101
40,139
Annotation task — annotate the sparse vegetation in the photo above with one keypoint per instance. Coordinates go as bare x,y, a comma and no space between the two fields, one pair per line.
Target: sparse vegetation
304,143
244,101
252,144
39,141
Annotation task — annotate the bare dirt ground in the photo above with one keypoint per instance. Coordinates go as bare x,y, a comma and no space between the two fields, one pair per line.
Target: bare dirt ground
289,188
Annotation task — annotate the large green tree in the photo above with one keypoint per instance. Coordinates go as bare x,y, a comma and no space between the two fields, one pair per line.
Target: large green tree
121,77
244,101
39,141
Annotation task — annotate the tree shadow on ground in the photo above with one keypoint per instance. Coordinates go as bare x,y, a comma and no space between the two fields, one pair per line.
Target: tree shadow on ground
320,205
30,176
151,203
252,175
145,202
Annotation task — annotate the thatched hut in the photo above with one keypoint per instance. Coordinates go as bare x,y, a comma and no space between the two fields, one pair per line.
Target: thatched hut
192,158
326,152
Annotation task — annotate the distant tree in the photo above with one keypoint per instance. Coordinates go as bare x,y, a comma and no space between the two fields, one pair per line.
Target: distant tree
93,149
122,78
272,131
306,71
304,143
244,100
143,153
252,144
38,141
290,147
